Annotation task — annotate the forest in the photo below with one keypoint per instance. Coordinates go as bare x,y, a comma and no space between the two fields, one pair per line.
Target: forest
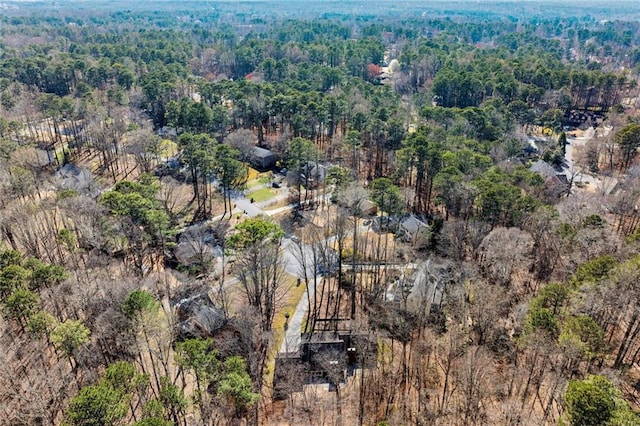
323,213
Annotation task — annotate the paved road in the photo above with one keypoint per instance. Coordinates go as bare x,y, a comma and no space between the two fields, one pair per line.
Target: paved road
573,143
295,262
246,206
292,338
297,257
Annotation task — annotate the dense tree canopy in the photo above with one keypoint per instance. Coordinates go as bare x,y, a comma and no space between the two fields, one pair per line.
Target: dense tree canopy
499,144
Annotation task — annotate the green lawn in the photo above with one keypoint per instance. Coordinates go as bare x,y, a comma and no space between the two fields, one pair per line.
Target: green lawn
292,298
259,181
277,205
262,194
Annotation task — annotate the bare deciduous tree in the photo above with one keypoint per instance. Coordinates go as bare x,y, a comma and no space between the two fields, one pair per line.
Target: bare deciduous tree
243,140
504,252
473,383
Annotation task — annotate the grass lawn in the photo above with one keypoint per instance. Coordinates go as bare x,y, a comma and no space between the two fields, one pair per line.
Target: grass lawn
277,205
287,304
258,182
253,183
262,194
257,179
291,300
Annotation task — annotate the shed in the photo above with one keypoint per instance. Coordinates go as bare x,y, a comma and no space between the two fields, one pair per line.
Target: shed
262,158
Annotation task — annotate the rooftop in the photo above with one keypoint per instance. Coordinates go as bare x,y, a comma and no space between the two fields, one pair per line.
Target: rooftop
261,152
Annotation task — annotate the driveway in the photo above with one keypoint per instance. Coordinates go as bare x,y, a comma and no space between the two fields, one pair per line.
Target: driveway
292,337
247,207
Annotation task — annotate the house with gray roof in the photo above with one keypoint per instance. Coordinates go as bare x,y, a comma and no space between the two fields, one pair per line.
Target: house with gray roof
262,158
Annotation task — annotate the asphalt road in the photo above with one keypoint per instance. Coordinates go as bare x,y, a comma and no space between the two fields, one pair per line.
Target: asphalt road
297,257
292,337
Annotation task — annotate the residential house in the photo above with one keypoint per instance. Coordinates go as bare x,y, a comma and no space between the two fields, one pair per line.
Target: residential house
262,158
314,174
557,183
76,178
413,229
